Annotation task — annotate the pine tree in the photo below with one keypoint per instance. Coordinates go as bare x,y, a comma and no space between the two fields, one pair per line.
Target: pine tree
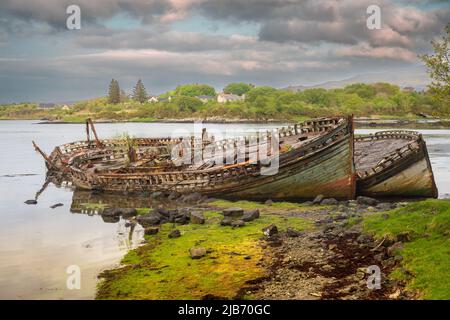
114,92
139,93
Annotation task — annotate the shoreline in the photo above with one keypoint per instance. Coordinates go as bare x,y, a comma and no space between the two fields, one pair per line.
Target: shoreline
360,123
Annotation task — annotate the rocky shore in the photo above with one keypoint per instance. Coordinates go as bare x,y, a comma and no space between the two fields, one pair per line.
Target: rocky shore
326,258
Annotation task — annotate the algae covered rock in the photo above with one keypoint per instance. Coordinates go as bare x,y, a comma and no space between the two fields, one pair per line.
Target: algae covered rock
233,212
197,252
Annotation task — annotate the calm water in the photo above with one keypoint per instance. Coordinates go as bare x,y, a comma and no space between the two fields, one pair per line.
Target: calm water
37,243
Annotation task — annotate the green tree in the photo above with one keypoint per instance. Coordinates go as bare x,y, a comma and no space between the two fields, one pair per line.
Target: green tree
238,88
114,92
438,65
263,91
316,96
139,92
193,90
186,103
363,90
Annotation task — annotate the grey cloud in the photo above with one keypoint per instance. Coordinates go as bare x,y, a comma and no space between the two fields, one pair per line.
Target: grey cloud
53,12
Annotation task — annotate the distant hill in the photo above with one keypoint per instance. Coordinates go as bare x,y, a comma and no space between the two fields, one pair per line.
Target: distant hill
413,77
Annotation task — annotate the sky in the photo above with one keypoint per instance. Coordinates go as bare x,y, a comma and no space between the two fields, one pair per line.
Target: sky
171,42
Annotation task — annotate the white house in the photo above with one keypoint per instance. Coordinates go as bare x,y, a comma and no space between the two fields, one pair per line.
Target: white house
226,97
153,99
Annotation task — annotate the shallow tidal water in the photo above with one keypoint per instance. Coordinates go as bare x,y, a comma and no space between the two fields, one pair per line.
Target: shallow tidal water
38,244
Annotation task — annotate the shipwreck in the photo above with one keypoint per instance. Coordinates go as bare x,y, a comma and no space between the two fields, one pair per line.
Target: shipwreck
318,156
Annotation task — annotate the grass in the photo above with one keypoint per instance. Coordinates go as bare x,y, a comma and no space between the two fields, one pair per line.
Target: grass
163,269
275,206
426,257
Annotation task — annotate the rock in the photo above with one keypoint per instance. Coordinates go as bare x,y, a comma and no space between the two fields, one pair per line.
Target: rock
32,201
270,230
268,202
364,238
150,219
129,212
197,253
111,212
151,231
56,205
384,206
318,199
379,257
110,219
182,218
247,257
233,212
197,217
250,215
292,233
394,249
329,201
238,223
367,201
226,221
307,203
175,234
191,197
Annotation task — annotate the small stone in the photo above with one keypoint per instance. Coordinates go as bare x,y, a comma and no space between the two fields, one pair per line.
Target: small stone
56,205
268,202
226,221
307,203
191,197
329,201
129,212
332,246
150,231
197,253
32,201
247,257
250,215
175,233
150,219
238,223
384,206
367,201
197,217
111,212
292,233
270,230
233,212
318,199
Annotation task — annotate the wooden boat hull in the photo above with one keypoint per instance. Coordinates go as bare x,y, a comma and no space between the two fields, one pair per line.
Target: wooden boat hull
324,166
407,172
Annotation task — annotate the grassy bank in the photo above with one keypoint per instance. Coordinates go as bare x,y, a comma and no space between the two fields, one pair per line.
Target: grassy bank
424,227
163,269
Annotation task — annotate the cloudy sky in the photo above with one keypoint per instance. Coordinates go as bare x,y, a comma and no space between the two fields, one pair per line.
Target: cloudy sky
171,42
